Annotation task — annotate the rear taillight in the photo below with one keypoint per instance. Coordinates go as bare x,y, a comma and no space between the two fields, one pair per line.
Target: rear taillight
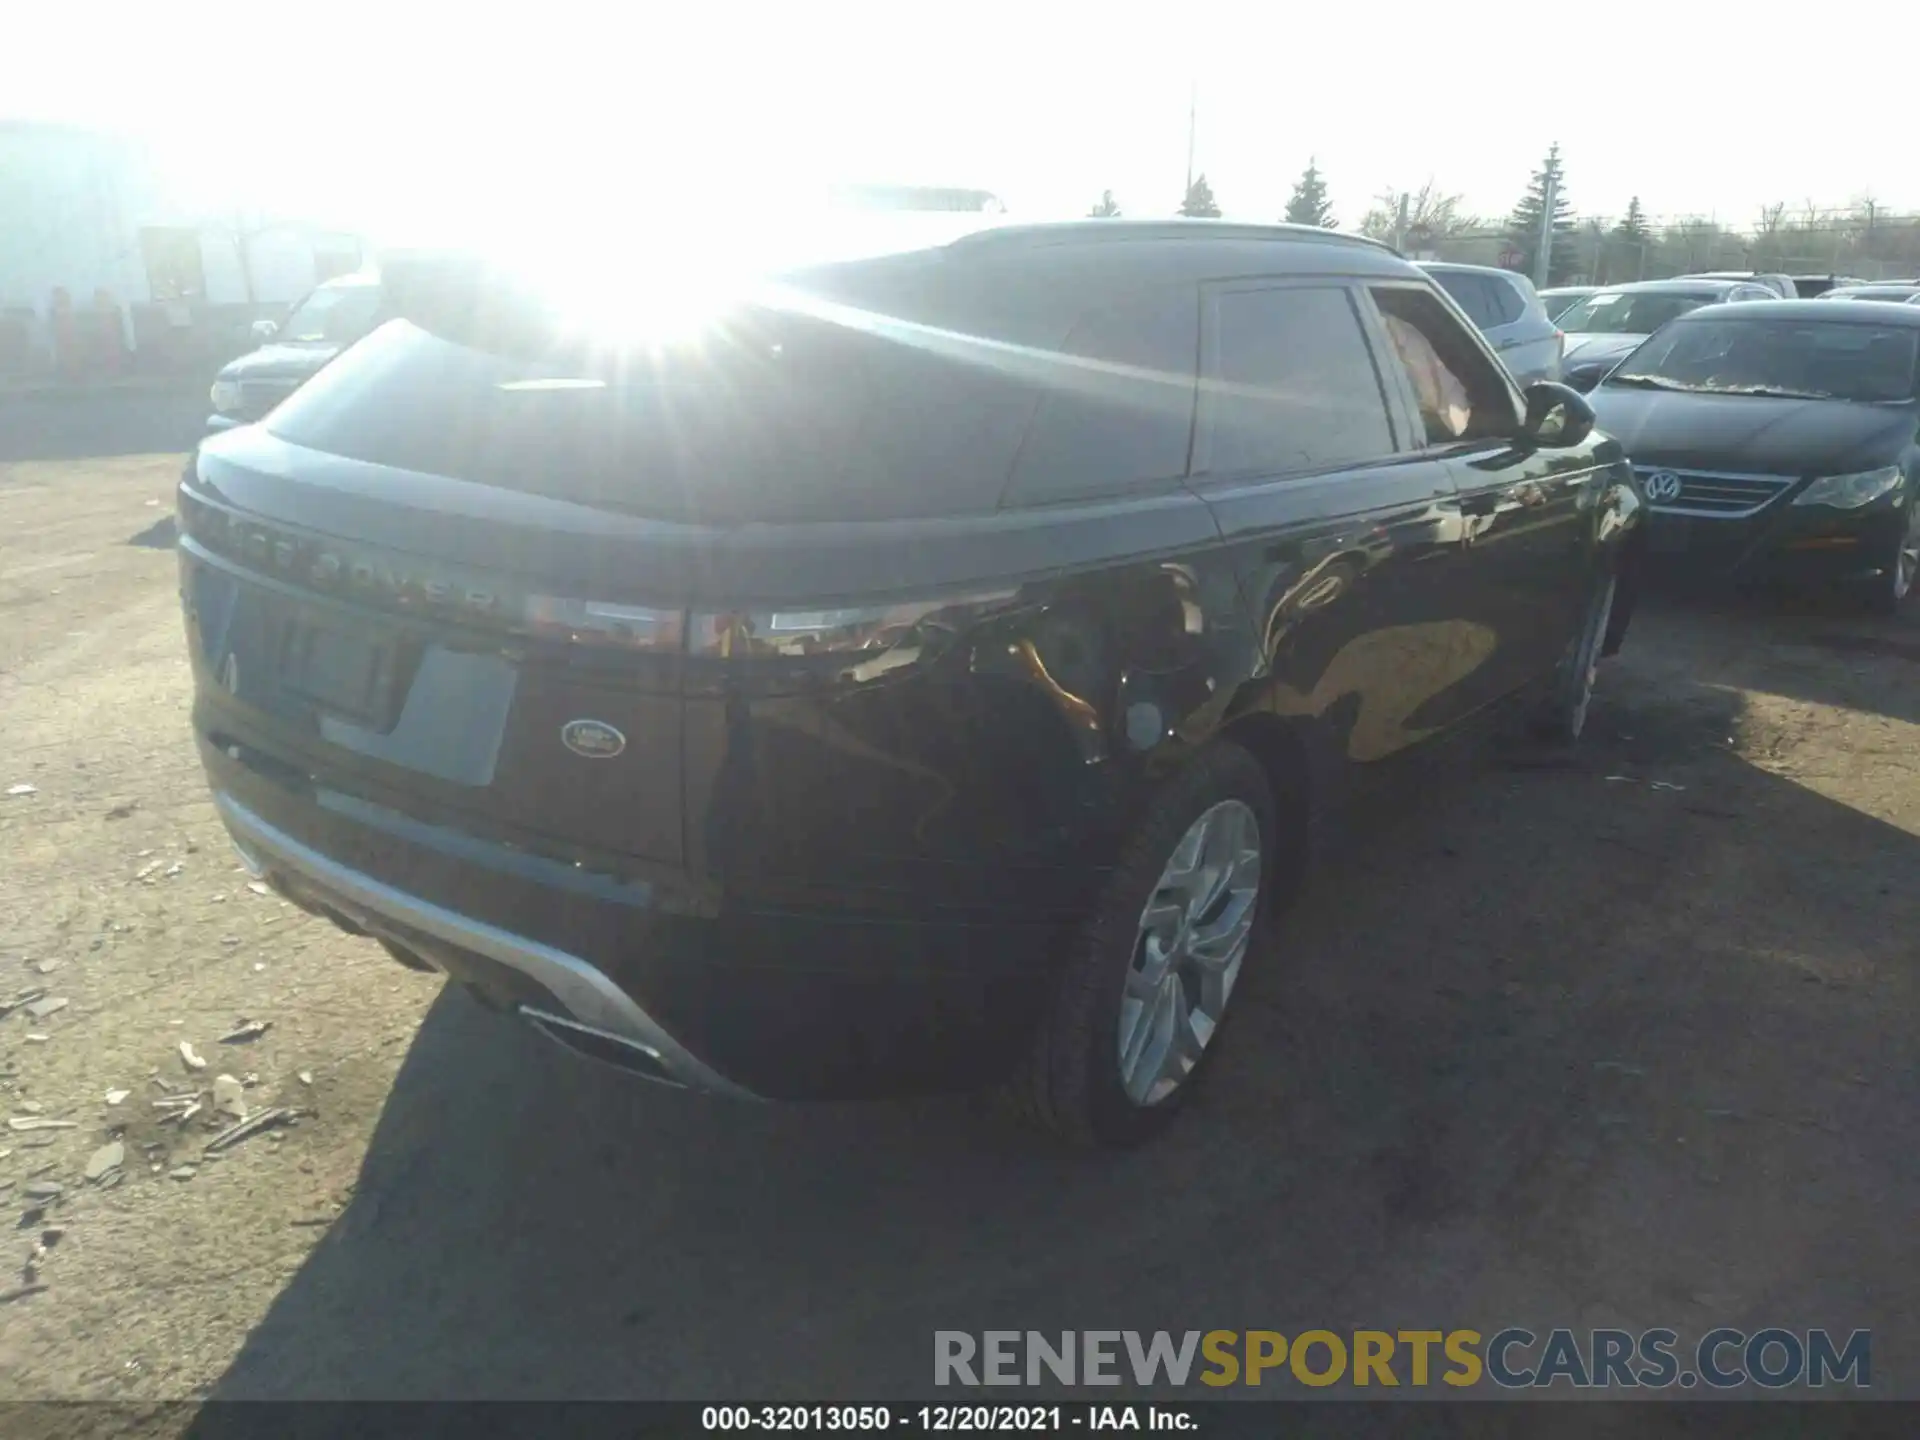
857,643
593,622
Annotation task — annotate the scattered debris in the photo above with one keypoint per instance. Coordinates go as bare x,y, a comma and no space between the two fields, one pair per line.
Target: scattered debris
31,1107
172,870
41,1009
34,1038
37,1122
47,967
1626,779
179,1108
1666,785
124,809
229,1097
229,940
43,1190
14,792
250,1079
114,1097
191,1056
306,1077
149,870
248,1030
25,997
52,1236
106,1161
259,887
313,1220
183,1172
234,1134
20,1292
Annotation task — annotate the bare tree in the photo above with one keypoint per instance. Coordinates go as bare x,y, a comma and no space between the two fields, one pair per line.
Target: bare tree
1429,209
1766,235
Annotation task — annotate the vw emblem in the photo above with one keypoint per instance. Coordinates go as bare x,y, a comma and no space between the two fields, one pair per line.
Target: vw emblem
1663,485
593,739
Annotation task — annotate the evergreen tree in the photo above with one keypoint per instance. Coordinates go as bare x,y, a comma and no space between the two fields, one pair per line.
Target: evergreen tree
1633,225
1200,202
1308,205
1107,209
1523,227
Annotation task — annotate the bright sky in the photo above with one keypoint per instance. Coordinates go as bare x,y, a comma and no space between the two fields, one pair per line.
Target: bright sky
396,118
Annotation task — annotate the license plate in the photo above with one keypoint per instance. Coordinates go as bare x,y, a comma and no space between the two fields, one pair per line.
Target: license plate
1668,535
347,672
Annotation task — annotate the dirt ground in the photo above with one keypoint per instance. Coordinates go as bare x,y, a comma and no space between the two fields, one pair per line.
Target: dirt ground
1627,1041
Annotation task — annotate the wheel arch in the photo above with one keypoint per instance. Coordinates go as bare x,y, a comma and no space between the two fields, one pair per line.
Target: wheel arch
1284,750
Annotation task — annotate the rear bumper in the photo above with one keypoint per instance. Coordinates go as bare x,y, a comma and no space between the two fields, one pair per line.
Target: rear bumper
670,981
586,998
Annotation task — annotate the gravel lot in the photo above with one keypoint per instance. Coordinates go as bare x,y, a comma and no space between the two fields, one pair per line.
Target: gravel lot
1554,1045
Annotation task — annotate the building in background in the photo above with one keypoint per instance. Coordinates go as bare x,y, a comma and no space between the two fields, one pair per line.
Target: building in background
102,268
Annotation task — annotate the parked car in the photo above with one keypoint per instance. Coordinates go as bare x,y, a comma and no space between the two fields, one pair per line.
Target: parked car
1810,286
1562,298
1509,313
327,320
1605,328
1782,286
935,674
1777,440
1898,294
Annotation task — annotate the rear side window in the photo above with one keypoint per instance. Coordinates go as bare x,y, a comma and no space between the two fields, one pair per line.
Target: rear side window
1290,384
1505,299
1459,394
1487,299
1116,407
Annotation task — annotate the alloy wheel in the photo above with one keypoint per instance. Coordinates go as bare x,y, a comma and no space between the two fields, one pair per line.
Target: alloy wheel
1192,940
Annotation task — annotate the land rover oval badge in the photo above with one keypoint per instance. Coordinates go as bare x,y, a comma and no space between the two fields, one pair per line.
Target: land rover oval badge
595,739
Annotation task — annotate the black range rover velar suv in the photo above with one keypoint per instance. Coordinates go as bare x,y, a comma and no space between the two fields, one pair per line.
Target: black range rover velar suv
927,674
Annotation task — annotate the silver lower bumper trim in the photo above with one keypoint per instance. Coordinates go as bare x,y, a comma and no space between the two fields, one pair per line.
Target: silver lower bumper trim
591,999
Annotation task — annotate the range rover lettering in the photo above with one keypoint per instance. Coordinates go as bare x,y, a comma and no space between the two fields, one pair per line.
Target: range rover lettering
933,672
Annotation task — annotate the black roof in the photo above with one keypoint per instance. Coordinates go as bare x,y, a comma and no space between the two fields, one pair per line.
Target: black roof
1113,231
1079,255
1822,310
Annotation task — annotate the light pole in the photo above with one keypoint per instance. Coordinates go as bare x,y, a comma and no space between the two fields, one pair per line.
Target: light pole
1543,258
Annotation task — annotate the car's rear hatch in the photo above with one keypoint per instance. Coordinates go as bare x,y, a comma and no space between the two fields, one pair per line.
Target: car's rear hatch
454,573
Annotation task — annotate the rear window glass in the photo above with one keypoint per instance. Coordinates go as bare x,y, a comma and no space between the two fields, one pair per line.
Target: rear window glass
771,416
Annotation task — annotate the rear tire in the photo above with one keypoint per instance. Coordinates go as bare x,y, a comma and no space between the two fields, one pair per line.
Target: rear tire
1138,971
1564,716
